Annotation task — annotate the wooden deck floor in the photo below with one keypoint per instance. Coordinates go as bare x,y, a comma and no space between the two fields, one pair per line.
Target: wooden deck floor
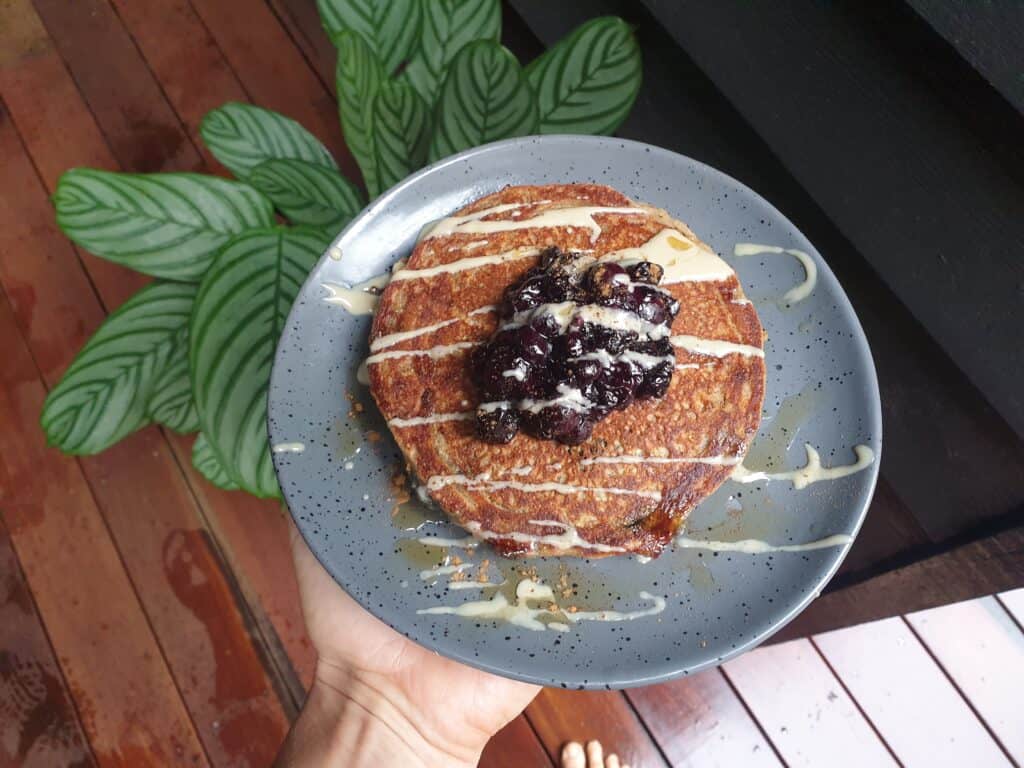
147,618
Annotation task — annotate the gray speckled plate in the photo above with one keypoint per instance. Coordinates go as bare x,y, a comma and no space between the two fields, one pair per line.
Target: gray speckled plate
821,389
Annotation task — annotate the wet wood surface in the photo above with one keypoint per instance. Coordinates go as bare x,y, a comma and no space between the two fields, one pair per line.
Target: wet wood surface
147,618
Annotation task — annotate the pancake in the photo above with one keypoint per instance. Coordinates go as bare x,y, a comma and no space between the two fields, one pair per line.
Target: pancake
626,489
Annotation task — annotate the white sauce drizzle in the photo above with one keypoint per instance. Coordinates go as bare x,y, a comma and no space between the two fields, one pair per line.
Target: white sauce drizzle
473,584
434,418
682,260
444,570
461,265
575,216
714,347
442,350
498,607
468,542
359,299
363,374
521,614
813,472
289,448
756,547
659,606
720,461
569,538
483,482
798,292
391,339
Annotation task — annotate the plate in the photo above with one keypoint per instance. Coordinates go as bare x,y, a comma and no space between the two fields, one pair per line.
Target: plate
362,525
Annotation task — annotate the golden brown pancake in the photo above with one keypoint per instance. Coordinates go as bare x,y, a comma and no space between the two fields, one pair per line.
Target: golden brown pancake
630,486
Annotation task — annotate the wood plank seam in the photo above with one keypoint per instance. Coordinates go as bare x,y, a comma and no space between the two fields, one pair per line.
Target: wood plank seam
646,727
863,713
110,535
1012,615
536,735
42,624
960,692
287,696
329,87
750,713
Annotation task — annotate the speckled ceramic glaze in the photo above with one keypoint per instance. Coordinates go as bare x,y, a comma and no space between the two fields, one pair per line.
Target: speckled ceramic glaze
821,390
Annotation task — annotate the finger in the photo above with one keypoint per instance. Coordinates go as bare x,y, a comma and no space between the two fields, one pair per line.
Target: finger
572,756
595,754
612,761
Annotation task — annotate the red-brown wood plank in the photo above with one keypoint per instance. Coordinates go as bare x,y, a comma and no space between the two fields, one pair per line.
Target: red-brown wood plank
981,648
39,84
559,716
203,628
515,746
254,535
803,708
122,93
131,710
38,723
273,70
699,721
907,697
184,60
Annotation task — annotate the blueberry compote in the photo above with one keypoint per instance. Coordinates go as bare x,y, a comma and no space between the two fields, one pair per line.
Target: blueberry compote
578,338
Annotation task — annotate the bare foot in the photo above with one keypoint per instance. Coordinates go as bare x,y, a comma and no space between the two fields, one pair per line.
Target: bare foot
573,756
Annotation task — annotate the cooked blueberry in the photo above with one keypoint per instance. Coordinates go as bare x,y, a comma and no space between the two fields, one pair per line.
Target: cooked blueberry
527,363
656,381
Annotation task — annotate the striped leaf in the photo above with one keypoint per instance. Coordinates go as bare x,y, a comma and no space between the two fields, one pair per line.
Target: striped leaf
389,27
103,394
485,97
170,402
588,81
400,120
447,26
209,466
238,315
307,193
165,224
359,75
242,136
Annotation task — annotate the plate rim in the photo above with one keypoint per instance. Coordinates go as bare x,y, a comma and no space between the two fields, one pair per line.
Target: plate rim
629,681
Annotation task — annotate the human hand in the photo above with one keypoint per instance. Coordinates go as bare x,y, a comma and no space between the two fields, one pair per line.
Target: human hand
378,698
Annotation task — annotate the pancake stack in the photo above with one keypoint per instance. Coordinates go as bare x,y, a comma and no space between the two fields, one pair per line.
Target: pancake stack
629,486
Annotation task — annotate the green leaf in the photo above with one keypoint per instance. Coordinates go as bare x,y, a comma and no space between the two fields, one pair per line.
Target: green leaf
103,394
238,315
242,136
170,402
447,26
209,466
389,27
359,75
307,193
588,81
165,224
485,97
400,120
